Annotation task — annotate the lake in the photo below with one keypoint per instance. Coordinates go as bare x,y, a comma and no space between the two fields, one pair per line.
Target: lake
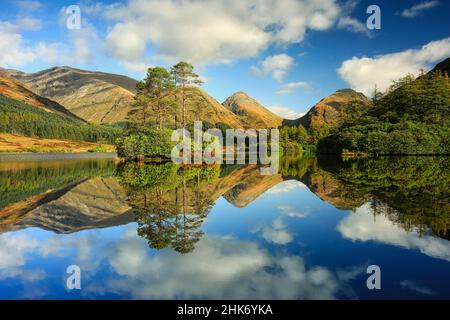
161,231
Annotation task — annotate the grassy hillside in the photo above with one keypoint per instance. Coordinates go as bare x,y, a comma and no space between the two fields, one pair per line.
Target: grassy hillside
413,117
331,112
20,118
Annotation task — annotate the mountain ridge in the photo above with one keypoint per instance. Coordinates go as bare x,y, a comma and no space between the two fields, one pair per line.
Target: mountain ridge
96,97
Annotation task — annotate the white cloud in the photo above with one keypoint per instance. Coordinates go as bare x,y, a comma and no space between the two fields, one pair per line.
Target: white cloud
13,52
206,32
285,187
362,226
419,8
13,250
277,66
50,53
291,87
292,212
353,25
411,285
29,5
219,268
22,24
276,232
286,112
362,74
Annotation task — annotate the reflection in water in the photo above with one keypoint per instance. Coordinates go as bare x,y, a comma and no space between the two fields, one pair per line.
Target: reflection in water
240,234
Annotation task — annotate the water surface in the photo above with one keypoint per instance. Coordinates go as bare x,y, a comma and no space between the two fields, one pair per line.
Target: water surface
160,231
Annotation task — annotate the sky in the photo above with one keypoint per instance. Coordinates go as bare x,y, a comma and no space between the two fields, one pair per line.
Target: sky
287,54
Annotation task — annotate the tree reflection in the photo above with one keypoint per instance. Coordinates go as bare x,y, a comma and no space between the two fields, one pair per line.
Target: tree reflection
170,202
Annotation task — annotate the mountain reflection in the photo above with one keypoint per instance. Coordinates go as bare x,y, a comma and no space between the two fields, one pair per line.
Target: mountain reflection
170,203
164,231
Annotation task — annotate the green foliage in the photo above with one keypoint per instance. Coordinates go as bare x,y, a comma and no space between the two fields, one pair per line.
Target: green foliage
98,149
412,118
412,191
19,118
292,138
150,143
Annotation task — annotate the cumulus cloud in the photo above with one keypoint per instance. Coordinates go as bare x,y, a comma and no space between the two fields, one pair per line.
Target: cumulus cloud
276,232
291,87
286,112
363,73
207,32
219,268
419,8
13,49
13,52
361,226
277,66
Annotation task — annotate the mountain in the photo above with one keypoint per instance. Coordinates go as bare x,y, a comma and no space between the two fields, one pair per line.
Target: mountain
331,110
443,66
412,118
251,112
201,106
96,97
16,90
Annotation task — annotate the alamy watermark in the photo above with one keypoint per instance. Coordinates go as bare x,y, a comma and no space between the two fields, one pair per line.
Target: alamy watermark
73,281
238,147
374,280
73,21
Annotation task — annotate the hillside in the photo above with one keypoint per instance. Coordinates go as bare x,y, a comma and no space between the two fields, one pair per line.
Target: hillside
201,106
96,97
251,112
331,111
19,118
16,90
443,66
412,118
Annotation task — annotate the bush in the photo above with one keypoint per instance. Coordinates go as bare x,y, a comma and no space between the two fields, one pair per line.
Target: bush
151,143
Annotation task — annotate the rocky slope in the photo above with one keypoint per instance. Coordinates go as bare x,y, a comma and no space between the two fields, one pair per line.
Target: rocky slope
96,97
251,112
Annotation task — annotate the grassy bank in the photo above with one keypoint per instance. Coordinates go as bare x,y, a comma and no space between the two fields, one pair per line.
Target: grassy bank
16,143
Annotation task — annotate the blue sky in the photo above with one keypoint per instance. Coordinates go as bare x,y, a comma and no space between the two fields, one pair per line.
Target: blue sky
287,54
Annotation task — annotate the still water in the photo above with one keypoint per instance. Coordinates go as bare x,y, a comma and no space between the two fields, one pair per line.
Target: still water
160,231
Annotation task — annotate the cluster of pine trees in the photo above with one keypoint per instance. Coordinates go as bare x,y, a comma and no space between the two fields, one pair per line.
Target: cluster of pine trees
162,94
20,118
413,117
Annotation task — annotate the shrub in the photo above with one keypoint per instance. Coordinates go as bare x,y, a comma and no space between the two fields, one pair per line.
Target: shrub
151,143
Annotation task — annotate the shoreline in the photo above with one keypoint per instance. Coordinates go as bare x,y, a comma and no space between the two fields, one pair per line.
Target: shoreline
48,156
